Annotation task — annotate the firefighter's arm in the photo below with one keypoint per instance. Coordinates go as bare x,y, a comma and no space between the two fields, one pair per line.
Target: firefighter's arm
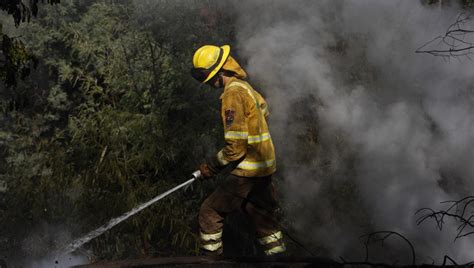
235,131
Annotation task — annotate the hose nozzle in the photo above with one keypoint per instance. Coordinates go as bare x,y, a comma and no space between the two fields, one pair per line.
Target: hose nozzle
197,175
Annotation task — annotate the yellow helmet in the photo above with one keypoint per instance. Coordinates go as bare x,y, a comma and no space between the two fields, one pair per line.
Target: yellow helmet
208,60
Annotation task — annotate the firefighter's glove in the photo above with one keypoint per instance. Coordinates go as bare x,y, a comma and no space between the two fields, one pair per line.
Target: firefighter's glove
206,172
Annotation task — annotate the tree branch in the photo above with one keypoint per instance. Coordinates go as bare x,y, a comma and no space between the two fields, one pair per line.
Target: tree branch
457,41
458,211
386,235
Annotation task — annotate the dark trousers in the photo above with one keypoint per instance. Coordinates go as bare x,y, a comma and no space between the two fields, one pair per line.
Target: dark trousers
254,196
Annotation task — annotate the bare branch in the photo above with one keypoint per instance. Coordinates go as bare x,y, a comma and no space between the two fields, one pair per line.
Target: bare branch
385,235
458,211
446,257
457,41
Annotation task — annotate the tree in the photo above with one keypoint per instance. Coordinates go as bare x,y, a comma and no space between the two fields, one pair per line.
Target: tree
15,61
107,120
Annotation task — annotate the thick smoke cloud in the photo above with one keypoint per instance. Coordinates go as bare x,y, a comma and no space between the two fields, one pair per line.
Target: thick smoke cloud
394,125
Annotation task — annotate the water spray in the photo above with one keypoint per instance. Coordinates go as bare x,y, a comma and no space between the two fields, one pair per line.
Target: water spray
115,221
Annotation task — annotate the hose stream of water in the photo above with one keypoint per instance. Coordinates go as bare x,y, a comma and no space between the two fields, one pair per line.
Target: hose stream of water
113,222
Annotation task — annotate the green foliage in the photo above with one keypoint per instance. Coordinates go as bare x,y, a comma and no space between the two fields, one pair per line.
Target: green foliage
16,59
17,62
20,11
109,119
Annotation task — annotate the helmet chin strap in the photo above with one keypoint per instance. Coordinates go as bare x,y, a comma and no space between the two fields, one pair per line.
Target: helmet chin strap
221,79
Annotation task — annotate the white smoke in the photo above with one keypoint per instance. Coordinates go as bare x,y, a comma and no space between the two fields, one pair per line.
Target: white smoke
44,248
58,261
395,124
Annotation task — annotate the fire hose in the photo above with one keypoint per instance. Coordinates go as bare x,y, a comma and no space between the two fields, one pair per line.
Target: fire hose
113,222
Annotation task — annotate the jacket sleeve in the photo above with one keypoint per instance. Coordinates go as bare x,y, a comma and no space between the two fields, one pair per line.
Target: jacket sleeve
235,130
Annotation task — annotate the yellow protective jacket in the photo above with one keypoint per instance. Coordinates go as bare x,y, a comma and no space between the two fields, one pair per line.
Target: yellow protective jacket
246,134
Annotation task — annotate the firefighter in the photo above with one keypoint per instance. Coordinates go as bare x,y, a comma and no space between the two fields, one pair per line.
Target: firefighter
248,151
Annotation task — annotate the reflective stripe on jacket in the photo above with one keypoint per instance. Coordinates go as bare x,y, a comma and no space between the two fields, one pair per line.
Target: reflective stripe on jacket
246,134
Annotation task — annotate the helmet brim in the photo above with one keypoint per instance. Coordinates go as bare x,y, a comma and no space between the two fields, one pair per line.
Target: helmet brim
225,55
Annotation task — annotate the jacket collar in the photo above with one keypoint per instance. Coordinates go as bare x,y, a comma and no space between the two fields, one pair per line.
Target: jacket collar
232,79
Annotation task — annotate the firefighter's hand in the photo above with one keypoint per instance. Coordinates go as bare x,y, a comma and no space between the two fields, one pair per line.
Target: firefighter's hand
206,172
